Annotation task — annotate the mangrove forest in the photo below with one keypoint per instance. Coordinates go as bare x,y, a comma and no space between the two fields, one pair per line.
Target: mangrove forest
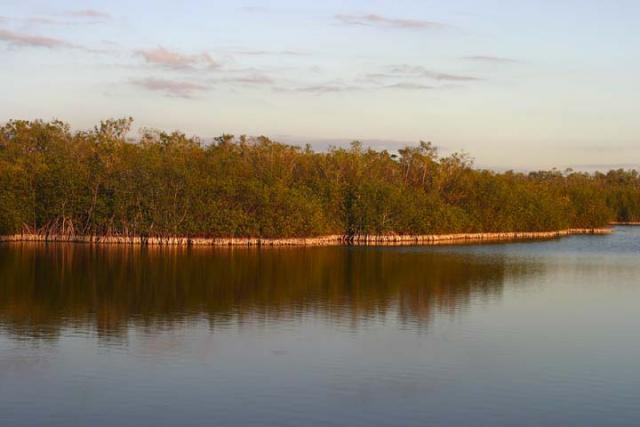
102,182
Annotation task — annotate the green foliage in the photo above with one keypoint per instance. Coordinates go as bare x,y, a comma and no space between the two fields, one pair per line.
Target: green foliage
55,181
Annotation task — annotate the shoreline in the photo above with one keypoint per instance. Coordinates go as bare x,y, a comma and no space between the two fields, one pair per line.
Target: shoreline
329,240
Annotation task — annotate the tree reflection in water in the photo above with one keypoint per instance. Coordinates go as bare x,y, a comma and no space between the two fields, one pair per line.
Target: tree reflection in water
44,288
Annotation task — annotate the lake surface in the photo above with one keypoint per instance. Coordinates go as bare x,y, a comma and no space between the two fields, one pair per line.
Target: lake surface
544,333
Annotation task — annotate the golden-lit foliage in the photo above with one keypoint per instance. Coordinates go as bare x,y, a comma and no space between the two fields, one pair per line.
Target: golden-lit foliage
53,180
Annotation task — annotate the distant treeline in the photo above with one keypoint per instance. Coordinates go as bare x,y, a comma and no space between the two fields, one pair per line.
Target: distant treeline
53,180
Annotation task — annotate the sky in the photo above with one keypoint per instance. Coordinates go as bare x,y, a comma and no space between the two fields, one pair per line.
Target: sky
516,84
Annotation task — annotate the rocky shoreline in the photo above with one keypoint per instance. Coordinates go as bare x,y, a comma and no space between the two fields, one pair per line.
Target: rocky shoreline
331,240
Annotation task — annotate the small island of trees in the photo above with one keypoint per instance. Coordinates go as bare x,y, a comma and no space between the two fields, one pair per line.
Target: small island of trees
99,182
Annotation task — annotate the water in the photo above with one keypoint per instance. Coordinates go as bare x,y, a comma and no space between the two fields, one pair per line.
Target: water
541,333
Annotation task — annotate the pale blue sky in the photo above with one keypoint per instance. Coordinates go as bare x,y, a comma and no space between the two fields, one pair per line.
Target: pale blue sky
522,84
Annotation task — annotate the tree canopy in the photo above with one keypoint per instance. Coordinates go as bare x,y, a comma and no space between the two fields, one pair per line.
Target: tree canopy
54,180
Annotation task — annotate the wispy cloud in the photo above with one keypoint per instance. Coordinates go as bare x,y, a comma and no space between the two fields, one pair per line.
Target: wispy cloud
69,18
89,13
175,88
359,85
166,58
32,40
491,59
46,21
373,20
417,71
409,86
323,88
254,79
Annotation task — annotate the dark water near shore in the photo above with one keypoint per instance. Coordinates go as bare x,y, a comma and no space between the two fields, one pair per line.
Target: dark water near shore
543,333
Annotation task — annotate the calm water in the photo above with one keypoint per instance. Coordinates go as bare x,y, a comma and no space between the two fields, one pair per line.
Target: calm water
544,333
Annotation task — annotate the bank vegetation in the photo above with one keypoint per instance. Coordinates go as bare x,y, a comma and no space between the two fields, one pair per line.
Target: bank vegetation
54,181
